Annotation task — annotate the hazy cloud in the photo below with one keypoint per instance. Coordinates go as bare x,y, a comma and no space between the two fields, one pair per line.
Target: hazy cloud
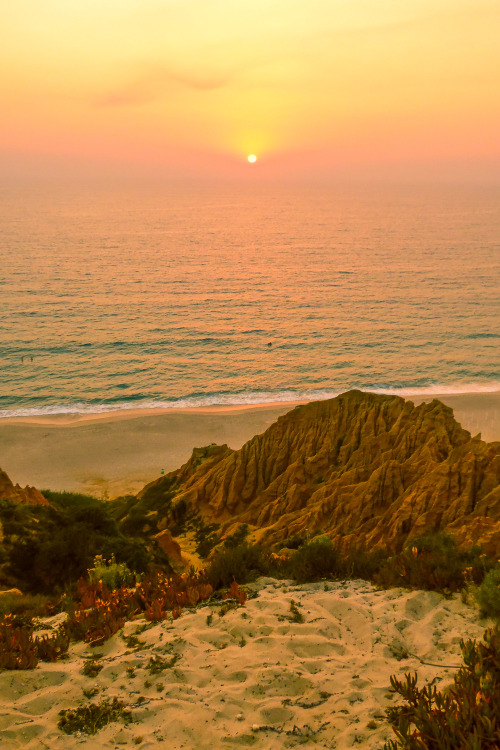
156,83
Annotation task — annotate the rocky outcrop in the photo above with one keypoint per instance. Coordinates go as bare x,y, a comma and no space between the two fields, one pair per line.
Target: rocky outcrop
362,468
28,495
171,548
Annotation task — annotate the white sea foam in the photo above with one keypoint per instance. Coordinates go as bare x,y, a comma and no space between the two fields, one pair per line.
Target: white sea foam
252,398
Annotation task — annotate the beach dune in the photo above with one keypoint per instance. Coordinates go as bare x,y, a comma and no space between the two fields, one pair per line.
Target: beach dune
252,677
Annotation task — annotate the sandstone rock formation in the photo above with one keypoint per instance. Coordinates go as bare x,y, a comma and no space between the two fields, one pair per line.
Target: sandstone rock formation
28,495
171,548
365,469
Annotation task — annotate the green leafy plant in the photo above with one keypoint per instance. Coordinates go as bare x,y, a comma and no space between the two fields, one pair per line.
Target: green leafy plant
113,575
133,642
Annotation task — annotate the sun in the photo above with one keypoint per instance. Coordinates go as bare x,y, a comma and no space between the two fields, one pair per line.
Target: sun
252,158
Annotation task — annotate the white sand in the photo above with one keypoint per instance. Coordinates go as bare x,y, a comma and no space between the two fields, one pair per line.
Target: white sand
117,453
252,678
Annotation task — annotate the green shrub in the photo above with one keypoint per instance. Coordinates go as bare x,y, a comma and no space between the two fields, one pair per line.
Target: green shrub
112,574
362,563
242,564
51,559
89,719
92,667
239,536
314,560
467,716
48,548
433,562
205,535
488,594
295,540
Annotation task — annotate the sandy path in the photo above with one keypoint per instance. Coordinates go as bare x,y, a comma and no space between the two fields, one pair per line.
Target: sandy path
252,677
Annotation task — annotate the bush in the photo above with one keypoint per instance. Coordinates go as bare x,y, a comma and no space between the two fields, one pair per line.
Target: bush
467,716
434,562
49,547
89,719
112,574
17,648
51,560
315,560
361,563
295,541
242,564
205,535
488,594
239,536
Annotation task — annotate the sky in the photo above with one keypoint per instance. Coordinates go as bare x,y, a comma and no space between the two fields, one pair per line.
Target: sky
192,87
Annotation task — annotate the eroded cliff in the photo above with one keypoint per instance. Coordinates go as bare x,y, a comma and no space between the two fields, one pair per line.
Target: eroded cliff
362,468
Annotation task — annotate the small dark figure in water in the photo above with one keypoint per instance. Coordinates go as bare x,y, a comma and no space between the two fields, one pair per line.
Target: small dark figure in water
22,359
269,343
32,359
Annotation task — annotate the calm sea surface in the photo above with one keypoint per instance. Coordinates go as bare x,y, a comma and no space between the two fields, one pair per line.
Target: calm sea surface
120,300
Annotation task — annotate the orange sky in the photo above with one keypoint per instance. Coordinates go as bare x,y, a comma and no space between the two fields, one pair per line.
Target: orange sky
323,86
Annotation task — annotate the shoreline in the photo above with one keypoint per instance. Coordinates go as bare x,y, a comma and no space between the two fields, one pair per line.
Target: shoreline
62,419
66,419
116,453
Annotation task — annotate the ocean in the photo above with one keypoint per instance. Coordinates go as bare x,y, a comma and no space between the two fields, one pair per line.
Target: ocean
119,299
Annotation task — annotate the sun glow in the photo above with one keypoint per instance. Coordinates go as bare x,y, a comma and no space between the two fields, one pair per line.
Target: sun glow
165,87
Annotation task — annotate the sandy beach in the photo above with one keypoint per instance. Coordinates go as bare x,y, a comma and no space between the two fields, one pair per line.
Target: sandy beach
251,677
117,453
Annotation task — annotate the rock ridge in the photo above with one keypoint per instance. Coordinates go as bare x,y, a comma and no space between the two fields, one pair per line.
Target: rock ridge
363,468
27,495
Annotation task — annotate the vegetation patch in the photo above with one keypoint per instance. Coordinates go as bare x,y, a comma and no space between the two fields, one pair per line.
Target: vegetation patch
156,664
488,594
30,605
92,667
243,563
111,574
466,716
91,718
47,548
433,562
315,560
54,646
17,647
238,537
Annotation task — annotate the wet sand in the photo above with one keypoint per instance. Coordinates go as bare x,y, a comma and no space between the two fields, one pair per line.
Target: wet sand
116,453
